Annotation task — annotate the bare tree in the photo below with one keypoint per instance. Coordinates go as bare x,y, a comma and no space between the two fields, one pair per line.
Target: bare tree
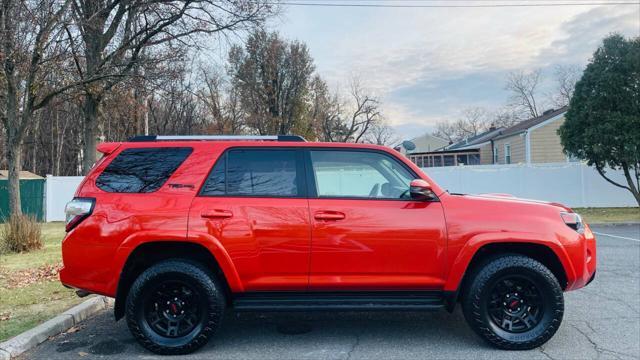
382,134
352,121
30,48
222,104
472,121
110,38
524,92
504,117
446,130
566,77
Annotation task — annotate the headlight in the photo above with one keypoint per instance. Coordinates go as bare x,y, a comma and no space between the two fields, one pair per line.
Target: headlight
573,221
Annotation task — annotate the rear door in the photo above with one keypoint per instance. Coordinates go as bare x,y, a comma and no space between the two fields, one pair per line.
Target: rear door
254,202
367,232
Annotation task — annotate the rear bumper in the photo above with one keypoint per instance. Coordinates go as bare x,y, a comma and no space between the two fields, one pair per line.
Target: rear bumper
70,280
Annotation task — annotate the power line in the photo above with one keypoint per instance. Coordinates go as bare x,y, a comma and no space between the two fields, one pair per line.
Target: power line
471,1
408,5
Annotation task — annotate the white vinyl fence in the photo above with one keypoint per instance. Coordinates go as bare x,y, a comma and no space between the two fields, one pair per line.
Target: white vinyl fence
58,191
572,184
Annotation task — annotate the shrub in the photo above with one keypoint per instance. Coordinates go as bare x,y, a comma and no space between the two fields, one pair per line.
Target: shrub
21,233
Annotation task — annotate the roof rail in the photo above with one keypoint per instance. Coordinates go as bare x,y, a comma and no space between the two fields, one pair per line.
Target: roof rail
142,138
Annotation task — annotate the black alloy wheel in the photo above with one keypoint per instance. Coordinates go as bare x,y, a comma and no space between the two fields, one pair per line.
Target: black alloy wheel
174,309
515,304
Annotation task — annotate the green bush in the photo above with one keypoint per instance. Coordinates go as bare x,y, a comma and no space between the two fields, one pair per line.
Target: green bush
21,233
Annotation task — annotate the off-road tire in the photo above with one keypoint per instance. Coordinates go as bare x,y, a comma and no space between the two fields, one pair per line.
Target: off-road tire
196,276
476,297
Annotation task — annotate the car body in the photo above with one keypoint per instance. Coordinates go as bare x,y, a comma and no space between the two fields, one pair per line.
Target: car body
317,237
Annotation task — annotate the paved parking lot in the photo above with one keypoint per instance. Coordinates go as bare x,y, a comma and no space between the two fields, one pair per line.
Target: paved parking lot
601,321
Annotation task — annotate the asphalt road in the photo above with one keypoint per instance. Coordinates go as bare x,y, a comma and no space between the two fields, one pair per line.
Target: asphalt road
602,321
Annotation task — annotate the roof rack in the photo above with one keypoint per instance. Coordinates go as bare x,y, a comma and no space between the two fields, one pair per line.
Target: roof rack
143,138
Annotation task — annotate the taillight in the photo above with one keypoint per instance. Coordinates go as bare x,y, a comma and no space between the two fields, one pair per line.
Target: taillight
77,210
573,221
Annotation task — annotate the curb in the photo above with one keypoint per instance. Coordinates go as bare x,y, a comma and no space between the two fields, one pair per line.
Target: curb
29,339
626,223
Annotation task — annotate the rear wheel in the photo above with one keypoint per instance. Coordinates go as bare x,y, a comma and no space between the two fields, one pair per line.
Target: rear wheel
514,302
174,307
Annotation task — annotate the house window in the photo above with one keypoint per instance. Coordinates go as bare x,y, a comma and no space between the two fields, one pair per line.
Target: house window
462,159
437,161
495,155
449,160
507,153
474,159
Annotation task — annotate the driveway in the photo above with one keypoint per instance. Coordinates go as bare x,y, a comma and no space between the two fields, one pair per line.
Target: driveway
602,321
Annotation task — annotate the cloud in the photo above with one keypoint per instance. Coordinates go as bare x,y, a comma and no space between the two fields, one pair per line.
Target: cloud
428,64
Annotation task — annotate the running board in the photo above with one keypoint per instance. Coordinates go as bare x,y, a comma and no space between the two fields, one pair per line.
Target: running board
339,301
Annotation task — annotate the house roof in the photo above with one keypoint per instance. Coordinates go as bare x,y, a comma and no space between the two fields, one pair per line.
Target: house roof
24,175
437,143
526,124
475,141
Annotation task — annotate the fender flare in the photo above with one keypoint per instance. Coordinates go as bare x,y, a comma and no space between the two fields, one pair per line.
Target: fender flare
213,245
460,264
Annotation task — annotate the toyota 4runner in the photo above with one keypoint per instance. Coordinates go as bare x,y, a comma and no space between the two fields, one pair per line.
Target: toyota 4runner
179,228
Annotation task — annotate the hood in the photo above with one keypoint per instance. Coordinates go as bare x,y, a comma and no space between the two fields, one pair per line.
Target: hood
511,198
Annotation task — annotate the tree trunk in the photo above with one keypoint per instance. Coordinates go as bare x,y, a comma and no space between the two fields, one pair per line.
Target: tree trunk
632,186
90,135
14,162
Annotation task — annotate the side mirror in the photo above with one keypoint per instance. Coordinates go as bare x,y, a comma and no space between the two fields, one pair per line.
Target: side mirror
421,190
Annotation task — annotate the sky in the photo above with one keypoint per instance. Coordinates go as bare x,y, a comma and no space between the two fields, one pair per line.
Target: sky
428,64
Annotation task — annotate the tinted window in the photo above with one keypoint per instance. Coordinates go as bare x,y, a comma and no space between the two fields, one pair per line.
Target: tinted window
141,170
254,173
359,174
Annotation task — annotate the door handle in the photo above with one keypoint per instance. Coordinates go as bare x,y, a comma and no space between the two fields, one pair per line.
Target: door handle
216,214
329,215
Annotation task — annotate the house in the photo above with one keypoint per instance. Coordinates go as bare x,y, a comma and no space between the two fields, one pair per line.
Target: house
534,140
424,143
474,150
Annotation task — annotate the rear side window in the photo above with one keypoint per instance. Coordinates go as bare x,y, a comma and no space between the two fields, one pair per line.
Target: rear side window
272,172
141,170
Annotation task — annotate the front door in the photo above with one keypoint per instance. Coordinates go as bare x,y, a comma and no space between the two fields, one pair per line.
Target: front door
367,232
254,203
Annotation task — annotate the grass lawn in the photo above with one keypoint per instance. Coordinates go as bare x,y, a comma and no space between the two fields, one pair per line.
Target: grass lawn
30,291
609,215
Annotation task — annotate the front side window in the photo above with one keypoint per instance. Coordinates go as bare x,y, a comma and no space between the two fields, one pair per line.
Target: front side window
359,174
249,172
141,170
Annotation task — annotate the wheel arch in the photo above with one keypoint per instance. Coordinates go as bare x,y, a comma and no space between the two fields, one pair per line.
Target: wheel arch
146,254
554,259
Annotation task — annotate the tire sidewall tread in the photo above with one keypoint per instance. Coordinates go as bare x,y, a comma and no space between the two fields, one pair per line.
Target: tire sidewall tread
206,281
477,286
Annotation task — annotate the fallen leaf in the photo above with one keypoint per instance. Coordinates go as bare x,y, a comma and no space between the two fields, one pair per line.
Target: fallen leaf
27,277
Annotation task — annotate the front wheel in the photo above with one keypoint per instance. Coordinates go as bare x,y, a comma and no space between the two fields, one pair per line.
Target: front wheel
174,307
514,302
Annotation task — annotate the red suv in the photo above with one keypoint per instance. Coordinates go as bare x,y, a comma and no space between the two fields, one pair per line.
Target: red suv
177,229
